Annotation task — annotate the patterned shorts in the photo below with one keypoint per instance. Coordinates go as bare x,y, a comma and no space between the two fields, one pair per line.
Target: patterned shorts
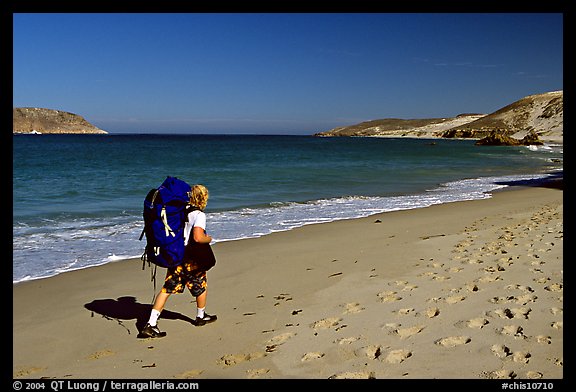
185,275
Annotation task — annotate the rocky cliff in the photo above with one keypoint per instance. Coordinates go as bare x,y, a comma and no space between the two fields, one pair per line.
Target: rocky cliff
540,114
40,121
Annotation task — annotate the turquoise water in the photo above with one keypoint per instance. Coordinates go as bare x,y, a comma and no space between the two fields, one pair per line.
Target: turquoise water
77,199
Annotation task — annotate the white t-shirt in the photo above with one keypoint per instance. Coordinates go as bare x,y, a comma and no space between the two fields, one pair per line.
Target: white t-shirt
195,218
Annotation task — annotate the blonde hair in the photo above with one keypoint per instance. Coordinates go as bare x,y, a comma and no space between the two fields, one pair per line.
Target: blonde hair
199,196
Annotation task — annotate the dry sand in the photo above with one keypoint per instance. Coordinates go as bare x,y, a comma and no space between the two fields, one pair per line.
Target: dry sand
466,290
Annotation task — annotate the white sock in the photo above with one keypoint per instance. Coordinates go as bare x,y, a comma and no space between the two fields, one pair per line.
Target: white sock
200,312
154,314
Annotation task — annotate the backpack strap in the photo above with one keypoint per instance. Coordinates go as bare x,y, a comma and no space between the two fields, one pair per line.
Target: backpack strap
152,194
190,208
168,230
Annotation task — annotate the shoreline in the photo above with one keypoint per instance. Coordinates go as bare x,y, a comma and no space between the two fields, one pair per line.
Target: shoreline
385,296
553,177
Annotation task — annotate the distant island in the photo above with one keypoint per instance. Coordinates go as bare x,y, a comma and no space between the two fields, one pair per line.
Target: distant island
535,117
49,121
531,120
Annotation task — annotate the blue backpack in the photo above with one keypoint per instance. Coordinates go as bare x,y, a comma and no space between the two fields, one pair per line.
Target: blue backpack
165,213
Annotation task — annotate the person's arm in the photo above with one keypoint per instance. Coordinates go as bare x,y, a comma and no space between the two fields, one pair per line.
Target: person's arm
200,236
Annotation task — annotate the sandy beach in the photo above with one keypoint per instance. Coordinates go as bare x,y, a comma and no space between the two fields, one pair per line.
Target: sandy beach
465,290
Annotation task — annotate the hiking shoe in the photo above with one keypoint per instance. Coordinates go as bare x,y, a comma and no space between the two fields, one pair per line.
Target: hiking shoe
200,321
151,332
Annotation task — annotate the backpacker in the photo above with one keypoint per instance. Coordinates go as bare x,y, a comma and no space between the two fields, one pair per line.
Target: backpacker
164,219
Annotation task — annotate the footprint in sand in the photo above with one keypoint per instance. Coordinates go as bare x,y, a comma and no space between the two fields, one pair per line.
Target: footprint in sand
326,323
311,356
353,375
525,299
522,357
455,299
500,351
542,339
280,339
397,356
554,287
521,300
405,333
518,313
513,330
372,352
555,310
24,372
558,361
101,354
190,374
234,359
489,279
499,374
557,324
541,280
256,373
348,340
405,311
453,341
492,269
432,312
353,307
526,289
478,323
388,296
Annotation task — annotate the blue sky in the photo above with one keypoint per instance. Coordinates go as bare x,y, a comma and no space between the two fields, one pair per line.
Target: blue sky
279,73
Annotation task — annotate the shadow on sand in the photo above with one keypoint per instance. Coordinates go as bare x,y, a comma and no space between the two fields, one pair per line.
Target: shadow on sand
554,180
127,308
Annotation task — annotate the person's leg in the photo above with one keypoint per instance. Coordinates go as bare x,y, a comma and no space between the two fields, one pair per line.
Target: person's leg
159,303
151,329
171,285
199,289
201,304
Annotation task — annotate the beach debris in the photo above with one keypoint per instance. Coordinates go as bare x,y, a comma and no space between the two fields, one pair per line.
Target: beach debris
295,312
248,314
432,236
149,366
335,274
377,221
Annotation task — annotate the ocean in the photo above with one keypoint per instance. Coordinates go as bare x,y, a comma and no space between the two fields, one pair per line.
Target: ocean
78,199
